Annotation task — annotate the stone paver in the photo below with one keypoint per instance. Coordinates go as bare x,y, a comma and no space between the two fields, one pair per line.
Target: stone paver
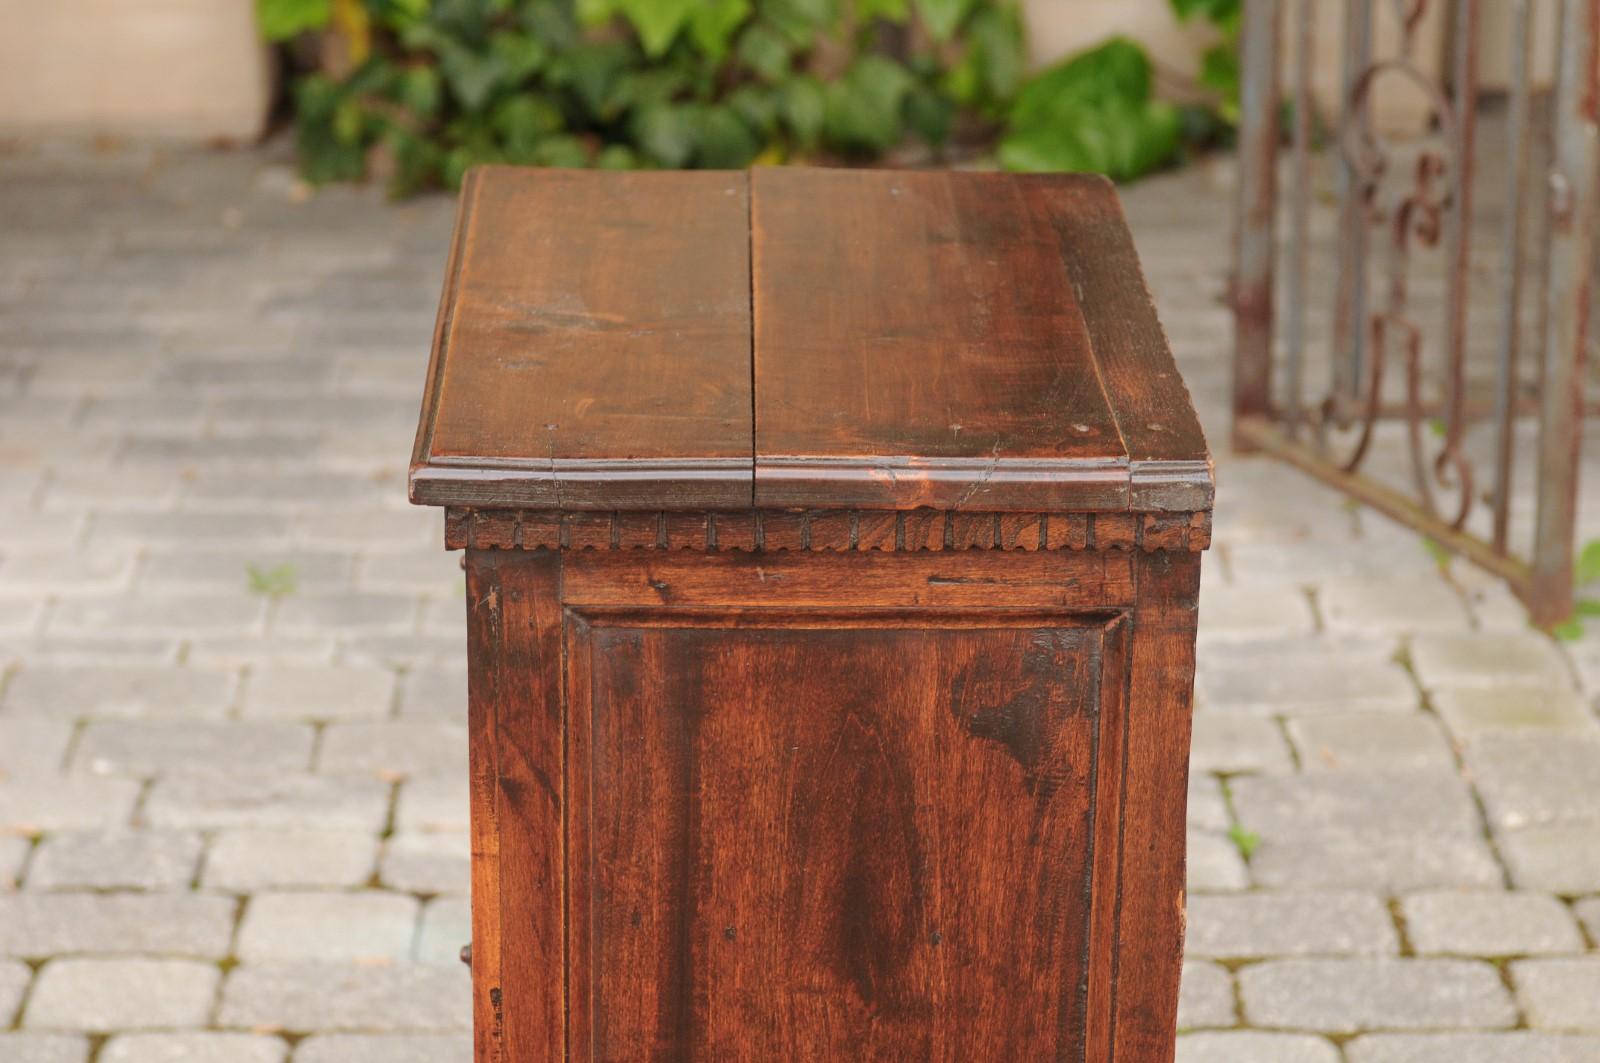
93,693
104,995
217,802
1562,859
1530,779
202,780
43,1048
1589,912
147,748
311,925
1370,742
1350,996
427,862
1517,1047
1482,923
1479,659
1427,804
242,861
14,979
1250,1046
1206,996
1559,994
1256,925
1470,712
319,692
129,860
367,1048
194,1048
349,997
40,925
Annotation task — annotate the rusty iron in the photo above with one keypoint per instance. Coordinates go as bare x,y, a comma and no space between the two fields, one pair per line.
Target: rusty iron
1405,210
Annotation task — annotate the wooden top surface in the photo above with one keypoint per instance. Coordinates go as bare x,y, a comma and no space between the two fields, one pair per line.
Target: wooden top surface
801,339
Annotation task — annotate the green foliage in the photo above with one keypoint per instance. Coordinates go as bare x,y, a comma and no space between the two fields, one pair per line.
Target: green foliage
276,582
1246,841
422,90
1093,112
1219,66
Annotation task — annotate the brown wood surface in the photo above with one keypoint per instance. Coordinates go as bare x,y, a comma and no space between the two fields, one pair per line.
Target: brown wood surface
594,343
918,343
802,338
516,725
841,841
748,791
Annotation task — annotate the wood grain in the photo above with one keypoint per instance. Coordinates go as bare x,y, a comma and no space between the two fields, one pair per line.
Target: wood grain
918,343
518,809
899,872
594,348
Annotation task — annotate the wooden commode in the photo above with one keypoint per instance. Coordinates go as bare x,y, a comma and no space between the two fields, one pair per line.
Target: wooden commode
832,545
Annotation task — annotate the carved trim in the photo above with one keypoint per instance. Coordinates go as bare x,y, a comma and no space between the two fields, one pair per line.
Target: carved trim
838,530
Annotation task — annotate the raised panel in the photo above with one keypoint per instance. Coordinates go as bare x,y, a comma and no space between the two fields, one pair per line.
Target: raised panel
829,838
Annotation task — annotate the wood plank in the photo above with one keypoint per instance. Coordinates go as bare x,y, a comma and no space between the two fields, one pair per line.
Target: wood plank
516,721
594,344
918,343
1160,689
865,580
1170,466
902,871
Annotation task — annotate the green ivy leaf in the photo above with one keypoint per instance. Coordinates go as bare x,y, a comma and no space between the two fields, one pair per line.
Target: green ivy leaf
764,51
565,151
862,110
473,76
279,20
1119,139
1569,631
1116,70
521,54
418,88
890,10
1587,570
525,120
803,106
942,17
997,46
617,157
714,23
657,22
597,12
757,106
666,133
1224,13
725,142
592,70
812,14
930,115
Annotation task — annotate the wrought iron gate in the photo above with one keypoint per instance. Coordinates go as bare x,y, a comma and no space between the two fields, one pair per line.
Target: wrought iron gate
1448,284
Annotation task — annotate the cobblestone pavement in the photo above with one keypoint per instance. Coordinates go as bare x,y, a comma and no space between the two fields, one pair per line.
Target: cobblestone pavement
232,754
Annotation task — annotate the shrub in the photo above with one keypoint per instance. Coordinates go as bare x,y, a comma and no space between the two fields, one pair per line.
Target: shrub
421,90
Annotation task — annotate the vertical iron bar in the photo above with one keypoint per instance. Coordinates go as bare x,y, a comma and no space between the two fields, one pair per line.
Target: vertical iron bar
1300,218
1574,190
1254,253
1464,95
1511,275
1350,300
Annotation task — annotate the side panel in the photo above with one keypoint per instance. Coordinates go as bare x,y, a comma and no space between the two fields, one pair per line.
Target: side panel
1151,919
813,837
518,836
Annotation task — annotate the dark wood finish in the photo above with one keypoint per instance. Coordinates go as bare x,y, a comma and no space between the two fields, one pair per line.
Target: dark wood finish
817,339
879,752
911,851
918,344
593,346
